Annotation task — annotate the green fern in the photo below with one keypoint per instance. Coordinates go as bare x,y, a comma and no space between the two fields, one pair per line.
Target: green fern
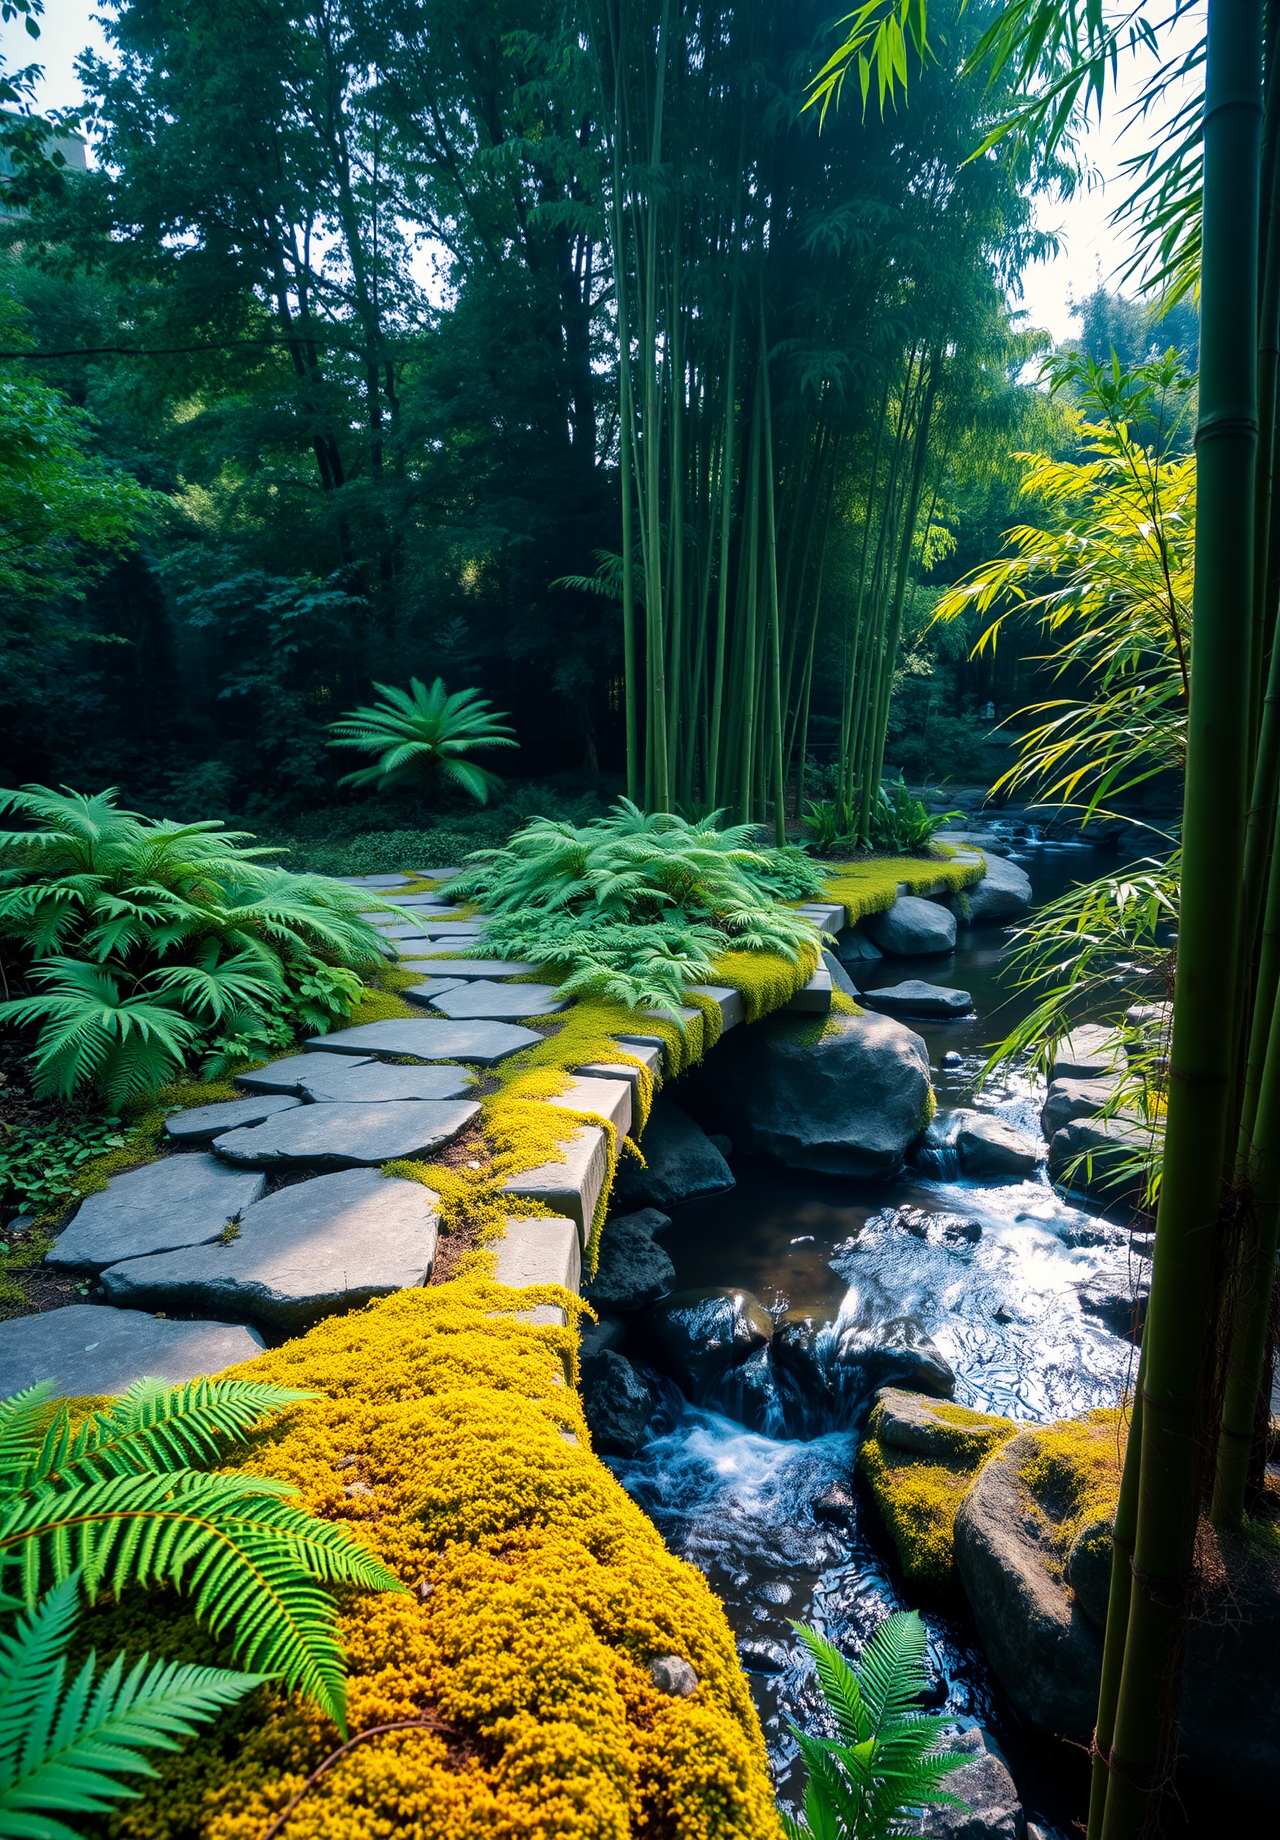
882,1767
60,1745
421,736
115,1503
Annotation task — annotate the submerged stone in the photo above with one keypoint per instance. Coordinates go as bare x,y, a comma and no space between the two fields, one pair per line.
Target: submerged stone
695,1336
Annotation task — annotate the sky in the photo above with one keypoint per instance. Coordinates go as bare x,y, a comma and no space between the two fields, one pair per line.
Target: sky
1090,245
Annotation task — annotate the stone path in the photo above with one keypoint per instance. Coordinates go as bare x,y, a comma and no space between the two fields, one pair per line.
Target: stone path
196,1232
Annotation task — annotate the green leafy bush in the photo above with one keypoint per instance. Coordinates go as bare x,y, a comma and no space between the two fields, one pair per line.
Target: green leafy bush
882,1766
899,824
38,1164
120,1500
422,738
636,905
143,942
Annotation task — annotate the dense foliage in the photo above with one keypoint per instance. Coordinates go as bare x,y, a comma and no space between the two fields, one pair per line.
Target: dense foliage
636,905
144,942
422,738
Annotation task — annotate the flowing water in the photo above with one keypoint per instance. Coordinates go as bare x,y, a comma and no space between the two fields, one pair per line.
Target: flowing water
733,1489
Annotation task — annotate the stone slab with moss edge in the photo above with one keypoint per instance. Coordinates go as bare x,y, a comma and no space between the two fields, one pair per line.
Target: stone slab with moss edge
827,916
647,1051
813,998
542,1249
203,1123
91,1348
727,1000
604,1098
463,931
345,1135
502,1002
397,931
176,1201
483,1042
343,1078
286,1076
304,1253
913,997
465,968
572,1184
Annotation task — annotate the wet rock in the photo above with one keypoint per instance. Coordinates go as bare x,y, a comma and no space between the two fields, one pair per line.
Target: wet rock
597,1337
760,1657
696,1335
1096,1157
798,1343
951,1230
720,1142
912,928
89,1348
1088,1570
1004,893
988,1147
1119,1303
650,1220
1090,1052
992,1810
1071,1099
632,1271
617,1401
203,1123
672,1674
346,1136
913,997
178,1201
890,1350
835,1505
852,947
748,1392
952,1059
847,1102
680,1162
940,1432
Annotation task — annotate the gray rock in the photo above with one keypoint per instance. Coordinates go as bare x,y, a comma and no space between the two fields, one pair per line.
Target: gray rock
305,1252
836,1505
695,1336
286,1076
648,1220
431,988
346,1079
852,947
482,1042
846,1102
89,1348
375,881
466,968
875,1347
672,1674
598,1337
203,1123
912,928
337,1135
720,1142
178,1201
1068,1099
1004,893
1092,1156
1088,1570
506,1002
1090,1052
913,997
406,929
1120,1304
983,1783
911,1421
987,841
1150,1018
988,1147
632,1271
680,1163
952,1058
617,1402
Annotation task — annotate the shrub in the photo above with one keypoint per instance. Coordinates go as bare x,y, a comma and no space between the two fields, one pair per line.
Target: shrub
143,942
422,738
634,906
899,823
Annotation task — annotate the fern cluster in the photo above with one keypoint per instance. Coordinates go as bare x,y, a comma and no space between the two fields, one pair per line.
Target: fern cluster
144,942
897,824
636,905
118,1501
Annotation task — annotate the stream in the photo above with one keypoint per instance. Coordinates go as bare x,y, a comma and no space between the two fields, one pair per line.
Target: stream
760,1494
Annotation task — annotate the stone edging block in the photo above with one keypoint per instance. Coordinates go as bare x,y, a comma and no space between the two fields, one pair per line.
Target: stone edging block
543,1249
572,1185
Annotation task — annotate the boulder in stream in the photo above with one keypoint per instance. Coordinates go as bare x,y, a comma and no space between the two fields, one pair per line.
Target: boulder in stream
983,1784
618,1403
1071,1099
990,1148
912,928
695,1336
1098,1157
914,997
841,1098
680,1163
1004,893
632,1271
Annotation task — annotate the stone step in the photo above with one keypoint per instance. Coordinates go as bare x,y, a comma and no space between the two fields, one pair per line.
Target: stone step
287,1075
503,1002
542,1250
571,1186
648,1052
177,1201
604,1098
374,881
431,988
440,965
344,1135
729,1000
827,916
437,875
352,1080
88,1349
202,1123
306,1252
813,998
485,1043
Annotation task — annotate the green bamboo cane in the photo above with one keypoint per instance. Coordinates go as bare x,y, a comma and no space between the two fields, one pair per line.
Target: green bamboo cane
1124,1532
771,585
1178,1335
722,586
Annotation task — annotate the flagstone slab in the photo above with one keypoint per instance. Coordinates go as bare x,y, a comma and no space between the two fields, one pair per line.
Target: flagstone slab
481,1042
375,881
504,1002
343,1078
203,1123
467,968
91,1348
304,1253
177,1201
346,1135
433,987
287,1076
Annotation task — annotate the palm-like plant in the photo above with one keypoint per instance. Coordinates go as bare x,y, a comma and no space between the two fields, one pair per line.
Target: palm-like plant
423,736
143,940
883,1766
117,1501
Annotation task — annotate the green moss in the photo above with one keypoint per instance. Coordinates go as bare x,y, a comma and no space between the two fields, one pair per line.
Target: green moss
1072,1473
871,885
917,1502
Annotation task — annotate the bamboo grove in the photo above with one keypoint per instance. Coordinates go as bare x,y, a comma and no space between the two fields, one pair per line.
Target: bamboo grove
1206,206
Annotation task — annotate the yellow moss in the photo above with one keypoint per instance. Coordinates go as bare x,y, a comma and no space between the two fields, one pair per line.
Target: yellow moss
870,885
917,1502
1072,1472
765,980
540,1594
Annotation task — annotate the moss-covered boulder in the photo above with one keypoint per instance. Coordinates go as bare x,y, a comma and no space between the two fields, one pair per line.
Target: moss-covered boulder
919,1458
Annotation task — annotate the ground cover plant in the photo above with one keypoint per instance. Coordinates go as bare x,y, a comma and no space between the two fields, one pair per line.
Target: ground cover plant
123,1499
142,944
636,905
